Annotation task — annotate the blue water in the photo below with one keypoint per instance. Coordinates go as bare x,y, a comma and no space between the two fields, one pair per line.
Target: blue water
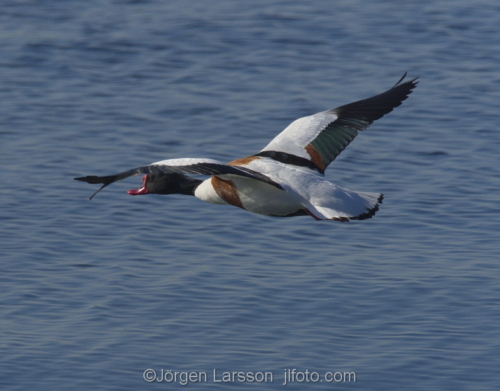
93,293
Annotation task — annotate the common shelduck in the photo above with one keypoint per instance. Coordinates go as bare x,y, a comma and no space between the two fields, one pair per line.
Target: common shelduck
286,177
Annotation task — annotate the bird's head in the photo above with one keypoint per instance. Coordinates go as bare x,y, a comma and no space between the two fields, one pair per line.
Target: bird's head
170,183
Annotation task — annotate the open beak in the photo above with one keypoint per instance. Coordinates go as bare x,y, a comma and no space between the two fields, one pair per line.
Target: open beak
140,190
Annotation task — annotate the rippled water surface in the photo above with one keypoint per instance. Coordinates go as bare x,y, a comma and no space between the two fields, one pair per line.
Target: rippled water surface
94,293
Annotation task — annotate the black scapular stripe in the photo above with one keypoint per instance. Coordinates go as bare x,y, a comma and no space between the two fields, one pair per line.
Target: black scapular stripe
288,158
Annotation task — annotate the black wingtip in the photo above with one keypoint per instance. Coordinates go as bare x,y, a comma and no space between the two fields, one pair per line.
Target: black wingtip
102,187
412,82
93,179
400,80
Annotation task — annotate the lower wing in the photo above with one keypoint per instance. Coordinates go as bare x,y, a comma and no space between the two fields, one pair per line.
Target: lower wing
180,166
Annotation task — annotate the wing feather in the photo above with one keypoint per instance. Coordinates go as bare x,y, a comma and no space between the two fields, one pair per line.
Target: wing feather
321,137
180,166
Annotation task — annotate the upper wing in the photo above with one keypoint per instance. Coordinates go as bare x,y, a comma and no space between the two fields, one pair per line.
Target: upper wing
318,139
180,166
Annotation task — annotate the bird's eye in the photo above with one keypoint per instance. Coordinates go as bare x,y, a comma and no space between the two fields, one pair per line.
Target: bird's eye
152,177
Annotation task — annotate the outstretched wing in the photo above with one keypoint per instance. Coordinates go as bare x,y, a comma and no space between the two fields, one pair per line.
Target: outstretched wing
180,166
321,137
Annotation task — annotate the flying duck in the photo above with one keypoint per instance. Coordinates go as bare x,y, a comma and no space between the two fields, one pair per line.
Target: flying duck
286,177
